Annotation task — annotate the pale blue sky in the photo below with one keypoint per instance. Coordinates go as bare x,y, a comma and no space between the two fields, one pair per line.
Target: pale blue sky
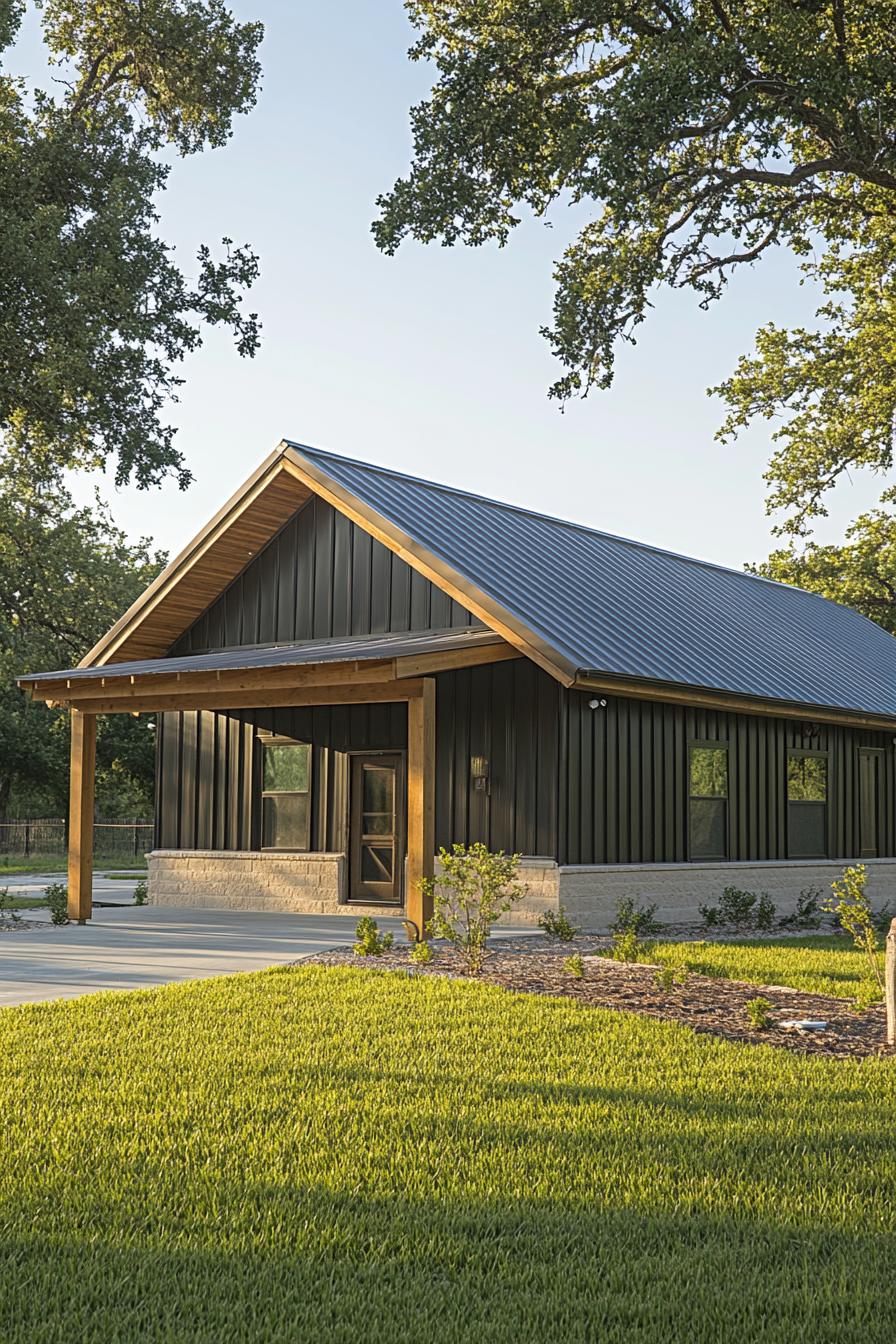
431,362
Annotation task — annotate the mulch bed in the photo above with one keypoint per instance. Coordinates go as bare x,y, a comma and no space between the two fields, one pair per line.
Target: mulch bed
704,1003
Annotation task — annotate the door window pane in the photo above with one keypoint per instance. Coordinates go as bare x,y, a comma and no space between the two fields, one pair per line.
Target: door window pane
376,863
285,801
807,779
379,789
708,803
807,793
709,772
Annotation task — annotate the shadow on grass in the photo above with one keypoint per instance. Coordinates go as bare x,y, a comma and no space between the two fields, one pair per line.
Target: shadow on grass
318,1265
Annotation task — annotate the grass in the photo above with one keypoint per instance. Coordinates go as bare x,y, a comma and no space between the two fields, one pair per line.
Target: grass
57,863
341,1155
817,963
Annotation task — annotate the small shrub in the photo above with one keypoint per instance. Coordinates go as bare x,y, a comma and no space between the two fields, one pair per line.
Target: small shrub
765,911
758,1013
470,893
668,976
556,925
141,892
421,954
57,899
627,946
370,942
740,910
8,912
807,913
574,966
853,913
636,919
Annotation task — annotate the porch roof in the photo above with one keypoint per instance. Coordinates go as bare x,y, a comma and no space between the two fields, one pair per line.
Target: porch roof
353,649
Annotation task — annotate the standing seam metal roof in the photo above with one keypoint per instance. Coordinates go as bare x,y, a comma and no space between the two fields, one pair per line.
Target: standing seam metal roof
624,608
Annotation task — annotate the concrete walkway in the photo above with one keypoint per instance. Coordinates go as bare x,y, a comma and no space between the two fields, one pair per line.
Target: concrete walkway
135,947
117,890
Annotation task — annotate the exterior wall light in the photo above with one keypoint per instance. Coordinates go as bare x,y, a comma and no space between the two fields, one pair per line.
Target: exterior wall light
479,773
597,704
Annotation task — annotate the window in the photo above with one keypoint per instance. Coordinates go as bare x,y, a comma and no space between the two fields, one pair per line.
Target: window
807,805
286,795
708,802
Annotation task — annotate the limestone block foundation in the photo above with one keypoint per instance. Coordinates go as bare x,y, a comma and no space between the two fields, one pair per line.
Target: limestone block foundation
252,880
316,884
590,894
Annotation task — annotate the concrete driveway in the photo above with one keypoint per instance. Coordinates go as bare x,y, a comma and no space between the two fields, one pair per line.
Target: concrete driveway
135,947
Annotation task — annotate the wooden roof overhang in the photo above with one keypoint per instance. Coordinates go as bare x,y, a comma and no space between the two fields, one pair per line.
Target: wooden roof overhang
343,681
702,697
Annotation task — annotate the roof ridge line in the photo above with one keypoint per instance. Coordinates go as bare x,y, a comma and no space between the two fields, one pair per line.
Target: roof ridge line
560,522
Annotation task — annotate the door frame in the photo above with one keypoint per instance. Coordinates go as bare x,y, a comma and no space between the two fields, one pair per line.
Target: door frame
400,757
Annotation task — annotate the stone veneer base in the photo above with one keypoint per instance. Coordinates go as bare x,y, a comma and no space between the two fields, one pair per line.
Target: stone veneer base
315,884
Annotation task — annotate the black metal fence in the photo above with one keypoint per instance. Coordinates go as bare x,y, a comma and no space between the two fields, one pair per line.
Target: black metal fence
49,835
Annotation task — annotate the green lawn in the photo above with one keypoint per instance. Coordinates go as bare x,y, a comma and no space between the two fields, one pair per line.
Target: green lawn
340,1155
819,964
57,863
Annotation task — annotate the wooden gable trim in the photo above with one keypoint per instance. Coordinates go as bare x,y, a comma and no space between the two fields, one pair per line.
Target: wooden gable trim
211,561
431,566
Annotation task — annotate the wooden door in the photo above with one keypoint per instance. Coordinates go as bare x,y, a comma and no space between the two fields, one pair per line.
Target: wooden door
376,829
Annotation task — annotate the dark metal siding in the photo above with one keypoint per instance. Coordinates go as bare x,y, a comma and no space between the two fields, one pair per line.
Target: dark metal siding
208,769
321,577
626,784
510,713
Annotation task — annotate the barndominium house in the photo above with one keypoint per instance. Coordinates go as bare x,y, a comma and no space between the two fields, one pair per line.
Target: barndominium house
351,667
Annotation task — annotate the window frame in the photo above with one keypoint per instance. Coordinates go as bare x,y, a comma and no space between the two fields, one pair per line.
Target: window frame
801,753
701,744
281,740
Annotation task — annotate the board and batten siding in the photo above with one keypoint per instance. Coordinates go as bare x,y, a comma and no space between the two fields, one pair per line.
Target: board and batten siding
321,577
626,781
208,764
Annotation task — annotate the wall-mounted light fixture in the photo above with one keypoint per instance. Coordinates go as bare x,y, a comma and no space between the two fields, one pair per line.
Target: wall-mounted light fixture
811,730
597,704
479,773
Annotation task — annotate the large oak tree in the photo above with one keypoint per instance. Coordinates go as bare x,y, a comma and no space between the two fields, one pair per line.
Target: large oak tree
704,134
95,313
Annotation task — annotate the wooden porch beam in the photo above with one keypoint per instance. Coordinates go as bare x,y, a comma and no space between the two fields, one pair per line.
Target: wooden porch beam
80,816
420,664
261,699
421,802
137,685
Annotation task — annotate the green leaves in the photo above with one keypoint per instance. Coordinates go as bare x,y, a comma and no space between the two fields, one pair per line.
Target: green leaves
705,134
95,315
66,574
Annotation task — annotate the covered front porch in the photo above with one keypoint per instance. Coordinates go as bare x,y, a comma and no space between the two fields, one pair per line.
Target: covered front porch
387,846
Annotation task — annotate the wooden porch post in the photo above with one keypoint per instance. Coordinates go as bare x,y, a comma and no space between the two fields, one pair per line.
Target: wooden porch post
80,816
421,801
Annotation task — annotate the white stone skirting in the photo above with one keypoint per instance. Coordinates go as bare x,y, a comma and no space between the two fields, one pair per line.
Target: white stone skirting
590,894
315,884
250,880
